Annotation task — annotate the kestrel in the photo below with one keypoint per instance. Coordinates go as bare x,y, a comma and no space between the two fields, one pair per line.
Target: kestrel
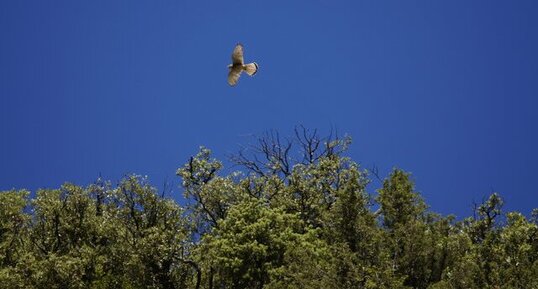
238,66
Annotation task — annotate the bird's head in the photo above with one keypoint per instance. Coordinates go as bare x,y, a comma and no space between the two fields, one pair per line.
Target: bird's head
230,66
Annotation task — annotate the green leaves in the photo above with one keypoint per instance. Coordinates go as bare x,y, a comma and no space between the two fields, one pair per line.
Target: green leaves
127,238
305,224
251,242
13,225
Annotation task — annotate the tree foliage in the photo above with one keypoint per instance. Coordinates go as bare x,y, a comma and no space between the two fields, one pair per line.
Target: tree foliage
298,216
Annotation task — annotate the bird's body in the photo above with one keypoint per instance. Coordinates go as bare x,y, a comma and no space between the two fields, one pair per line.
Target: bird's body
239,66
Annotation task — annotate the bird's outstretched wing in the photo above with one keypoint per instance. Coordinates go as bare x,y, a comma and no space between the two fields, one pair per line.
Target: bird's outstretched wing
233,75
237,55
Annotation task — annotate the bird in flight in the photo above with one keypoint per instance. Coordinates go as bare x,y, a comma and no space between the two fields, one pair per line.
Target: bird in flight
238,66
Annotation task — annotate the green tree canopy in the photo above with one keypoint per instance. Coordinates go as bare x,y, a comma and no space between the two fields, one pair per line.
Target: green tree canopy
299,215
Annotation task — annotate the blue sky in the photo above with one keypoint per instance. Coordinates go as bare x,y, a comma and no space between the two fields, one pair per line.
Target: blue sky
444,89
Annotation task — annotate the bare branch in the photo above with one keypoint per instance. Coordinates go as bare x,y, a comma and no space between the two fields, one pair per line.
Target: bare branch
272,155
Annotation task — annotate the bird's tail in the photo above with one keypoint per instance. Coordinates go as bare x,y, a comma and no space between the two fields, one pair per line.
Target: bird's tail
251,68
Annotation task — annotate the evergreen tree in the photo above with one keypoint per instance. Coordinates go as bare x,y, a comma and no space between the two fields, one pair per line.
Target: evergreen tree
289,220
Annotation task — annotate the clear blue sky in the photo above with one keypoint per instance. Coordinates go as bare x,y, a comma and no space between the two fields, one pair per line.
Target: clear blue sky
447,90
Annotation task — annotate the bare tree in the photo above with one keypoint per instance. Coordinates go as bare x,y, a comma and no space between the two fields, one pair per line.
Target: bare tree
272,155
